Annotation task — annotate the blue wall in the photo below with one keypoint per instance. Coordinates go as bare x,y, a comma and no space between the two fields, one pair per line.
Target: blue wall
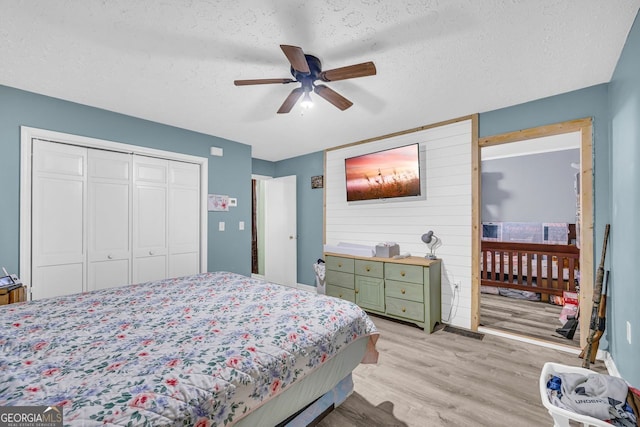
263,167
310,210
310,206
624,91
231,174
589,102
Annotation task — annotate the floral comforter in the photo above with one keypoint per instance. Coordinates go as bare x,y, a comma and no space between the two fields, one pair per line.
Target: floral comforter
201,350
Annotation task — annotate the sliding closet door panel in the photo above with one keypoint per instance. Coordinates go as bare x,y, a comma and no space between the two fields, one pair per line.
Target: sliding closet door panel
58,219
150,219
151,204
109,219
57,280
184,264
184,219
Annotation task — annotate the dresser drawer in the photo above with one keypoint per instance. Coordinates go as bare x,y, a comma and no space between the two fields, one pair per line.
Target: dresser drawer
404,273
404,290
338,278
369,268
340,292
407,309
336,263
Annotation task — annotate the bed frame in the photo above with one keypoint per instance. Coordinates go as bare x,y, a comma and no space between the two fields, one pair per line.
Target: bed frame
518,258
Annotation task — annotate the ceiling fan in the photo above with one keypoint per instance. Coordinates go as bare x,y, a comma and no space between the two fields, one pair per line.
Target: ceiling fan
306,70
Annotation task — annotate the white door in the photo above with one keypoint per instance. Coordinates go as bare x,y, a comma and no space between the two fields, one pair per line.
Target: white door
281,241
58,213
109,219
184,219
149,219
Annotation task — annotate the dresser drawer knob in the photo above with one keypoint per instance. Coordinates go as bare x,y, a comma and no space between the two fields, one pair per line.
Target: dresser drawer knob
356,291
402,273
339,265
402,291
404,309
339,295
368,268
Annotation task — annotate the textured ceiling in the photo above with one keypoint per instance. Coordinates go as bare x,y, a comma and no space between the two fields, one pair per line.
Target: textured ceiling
174,61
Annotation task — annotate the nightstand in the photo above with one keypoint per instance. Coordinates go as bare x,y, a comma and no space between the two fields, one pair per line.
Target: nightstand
9,295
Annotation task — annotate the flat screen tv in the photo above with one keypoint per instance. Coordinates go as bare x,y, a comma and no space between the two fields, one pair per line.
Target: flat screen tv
385,174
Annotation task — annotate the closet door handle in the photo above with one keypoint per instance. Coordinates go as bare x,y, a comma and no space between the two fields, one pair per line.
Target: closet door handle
150,252
109,256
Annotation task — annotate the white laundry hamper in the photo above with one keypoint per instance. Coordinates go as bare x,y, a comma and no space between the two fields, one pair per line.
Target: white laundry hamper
562,416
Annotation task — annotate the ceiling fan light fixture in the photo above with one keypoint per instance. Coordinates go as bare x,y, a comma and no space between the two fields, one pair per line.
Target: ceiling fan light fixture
307,102
306,70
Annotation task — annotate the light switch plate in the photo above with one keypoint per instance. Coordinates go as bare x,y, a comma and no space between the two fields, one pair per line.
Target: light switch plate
221,226
241,225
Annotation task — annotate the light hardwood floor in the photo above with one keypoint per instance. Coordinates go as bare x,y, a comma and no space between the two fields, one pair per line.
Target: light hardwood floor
447,379
533,319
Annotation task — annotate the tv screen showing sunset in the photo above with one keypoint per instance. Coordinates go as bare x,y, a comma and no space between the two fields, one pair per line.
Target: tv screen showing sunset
384,174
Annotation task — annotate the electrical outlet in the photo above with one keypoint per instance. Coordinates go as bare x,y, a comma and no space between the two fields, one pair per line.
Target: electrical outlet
628,332
456,285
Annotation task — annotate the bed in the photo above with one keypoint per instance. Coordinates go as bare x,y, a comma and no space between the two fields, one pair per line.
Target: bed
208,350
533,270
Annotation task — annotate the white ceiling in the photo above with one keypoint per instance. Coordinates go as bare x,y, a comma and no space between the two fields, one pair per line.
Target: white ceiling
174,61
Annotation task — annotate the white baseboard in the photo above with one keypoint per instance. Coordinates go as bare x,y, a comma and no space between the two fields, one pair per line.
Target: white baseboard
301,286
610,364
308,288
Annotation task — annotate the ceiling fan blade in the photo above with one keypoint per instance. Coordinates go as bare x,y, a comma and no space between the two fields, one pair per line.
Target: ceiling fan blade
261,82
296,57
291,100
333,97
349,72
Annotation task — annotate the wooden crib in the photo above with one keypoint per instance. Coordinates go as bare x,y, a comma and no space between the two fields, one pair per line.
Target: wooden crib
541,268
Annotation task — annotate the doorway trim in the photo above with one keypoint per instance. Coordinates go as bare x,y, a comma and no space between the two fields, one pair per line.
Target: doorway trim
585,127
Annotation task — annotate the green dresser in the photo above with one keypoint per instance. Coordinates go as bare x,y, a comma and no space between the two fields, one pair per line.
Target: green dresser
407,289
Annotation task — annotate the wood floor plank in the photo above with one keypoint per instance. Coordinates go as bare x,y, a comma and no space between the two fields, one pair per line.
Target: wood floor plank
447,379
533,319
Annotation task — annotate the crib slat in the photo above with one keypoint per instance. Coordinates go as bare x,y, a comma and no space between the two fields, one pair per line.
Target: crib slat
571,286
510,266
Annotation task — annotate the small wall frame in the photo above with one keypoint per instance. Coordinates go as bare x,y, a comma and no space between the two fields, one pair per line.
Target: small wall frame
317,181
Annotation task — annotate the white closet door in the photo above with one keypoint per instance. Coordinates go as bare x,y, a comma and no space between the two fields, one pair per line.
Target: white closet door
184,219
58,219
149,219
109,219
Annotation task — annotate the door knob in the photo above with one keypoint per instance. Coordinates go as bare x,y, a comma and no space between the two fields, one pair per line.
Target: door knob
150,252
290,237
109,256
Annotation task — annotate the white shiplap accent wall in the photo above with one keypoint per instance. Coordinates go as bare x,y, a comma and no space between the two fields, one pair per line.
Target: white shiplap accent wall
446,209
